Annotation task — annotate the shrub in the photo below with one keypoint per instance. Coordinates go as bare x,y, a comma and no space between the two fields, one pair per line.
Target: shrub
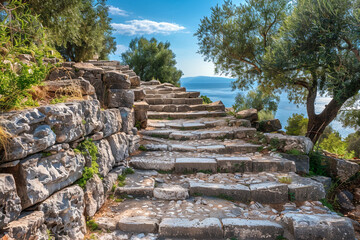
297,125
317,164
334,144
353,141
265,115
206,100
92,225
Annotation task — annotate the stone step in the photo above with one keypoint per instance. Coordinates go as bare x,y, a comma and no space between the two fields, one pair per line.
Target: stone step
184,115
164,90
186,124
177,101
214,218
186,162
174,95
219,133
185,107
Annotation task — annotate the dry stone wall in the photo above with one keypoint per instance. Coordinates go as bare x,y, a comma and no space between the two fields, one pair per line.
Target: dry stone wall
39,194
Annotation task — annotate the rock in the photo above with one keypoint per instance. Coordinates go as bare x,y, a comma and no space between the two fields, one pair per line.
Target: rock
208,228
112,121
171,192
59,86
134,143
302,162
64,213
345,200
141,118
105,157
269,192
195,164
319,226
128,120
325,181
285,142
60,73
234,164
342,169
107,224
94,195
116,80
357,194
29,226
139,94
45,175
138,224
10,205
135,81
305,189
269,125
119,146
120,98
245,229
248,114
109,181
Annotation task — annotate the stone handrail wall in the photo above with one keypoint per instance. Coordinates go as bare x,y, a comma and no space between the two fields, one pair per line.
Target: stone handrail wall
39,170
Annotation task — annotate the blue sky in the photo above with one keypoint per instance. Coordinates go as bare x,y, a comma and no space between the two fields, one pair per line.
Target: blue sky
175,21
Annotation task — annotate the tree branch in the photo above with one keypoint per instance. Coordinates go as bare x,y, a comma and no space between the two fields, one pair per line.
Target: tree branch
353,49
246,61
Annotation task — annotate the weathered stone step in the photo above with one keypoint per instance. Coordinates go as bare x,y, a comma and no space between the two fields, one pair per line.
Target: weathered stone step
185,162
186,124
178,101
222,133
185,108
183,115
164,90
213,218
174,95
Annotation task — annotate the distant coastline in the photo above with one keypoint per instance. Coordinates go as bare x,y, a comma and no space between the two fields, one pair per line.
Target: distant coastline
219,88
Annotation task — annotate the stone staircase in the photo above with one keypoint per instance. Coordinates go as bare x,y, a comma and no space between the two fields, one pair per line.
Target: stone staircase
169,102
208,178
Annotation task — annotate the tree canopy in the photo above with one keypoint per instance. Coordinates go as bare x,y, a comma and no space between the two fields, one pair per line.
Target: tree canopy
304,47
151,59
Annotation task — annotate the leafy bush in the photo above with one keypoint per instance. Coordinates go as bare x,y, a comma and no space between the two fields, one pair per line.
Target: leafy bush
88,149
92,225
334,144
353,141
206,99
265,115
297,125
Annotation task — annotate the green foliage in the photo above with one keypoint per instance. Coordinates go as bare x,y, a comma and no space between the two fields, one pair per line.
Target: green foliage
291,196
128,171
274,143
142,148
92,225
57,100
206,99
20,33
326,203
297,125
287,180
317,164
294,152
265,115
334,144
152,60
266,103
88,149
353,141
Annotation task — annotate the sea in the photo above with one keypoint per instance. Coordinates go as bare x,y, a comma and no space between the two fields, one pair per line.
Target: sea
219,88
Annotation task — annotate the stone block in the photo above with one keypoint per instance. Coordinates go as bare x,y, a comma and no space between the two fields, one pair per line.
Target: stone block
94,195
342,169
286,142
269,192
64,213
248,114
171,192
45,175
138,224
246,229
135,81
112,121
234,164
128,120
139,94
10,204
301,162
119,146
195,164
120,98
306,189
116,80
208,228
105,157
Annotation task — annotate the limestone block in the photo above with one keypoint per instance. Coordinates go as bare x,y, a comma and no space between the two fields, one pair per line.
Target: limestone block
342,169
116,80
134,143
135,81
248,114
105,158
286,142
10,205
139,94
305,189
29,226
64,213
138,224
171,192
37,176
119,144
269,192
120,98
128,120
272,125
302,162
59,86
94,195
112,121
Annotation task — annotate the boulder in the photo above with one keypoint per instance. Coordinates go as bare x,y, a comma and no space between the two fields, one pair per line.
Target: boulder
10,205
116,80
119,144
341,168
248,114
63,213
29,226
345,199
112,121
45,175
94,195
120,98
269,125
302,162
285,142
105,158
59,86
60,73
325,181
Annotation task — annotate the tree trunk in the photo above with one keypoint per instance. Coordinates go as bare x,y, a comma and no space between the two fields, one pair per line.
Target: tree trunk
318,122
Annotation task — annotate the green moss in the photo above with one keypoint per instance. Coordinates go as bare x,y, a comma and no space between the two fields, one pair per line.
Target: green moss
46,154
113,188
142,148
128,171
294,152
291,196
226,197
119,200
83,122
92,225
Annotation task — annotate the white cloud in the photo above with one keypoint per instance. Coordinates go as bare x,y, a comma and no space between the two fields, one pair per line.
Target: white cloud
120,49
117,11
135,27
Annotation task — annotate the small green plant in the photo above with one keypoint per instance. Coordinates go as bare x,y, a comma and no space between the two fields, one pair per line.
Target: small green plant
121,184
326,203
275,143
121,177
92,225
119,200
113,188
50,235
206,99
138,125
292,196
83,121
142,148
128,171
46,154
287,180
259,149
57,100
294,152
88,149
317,164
